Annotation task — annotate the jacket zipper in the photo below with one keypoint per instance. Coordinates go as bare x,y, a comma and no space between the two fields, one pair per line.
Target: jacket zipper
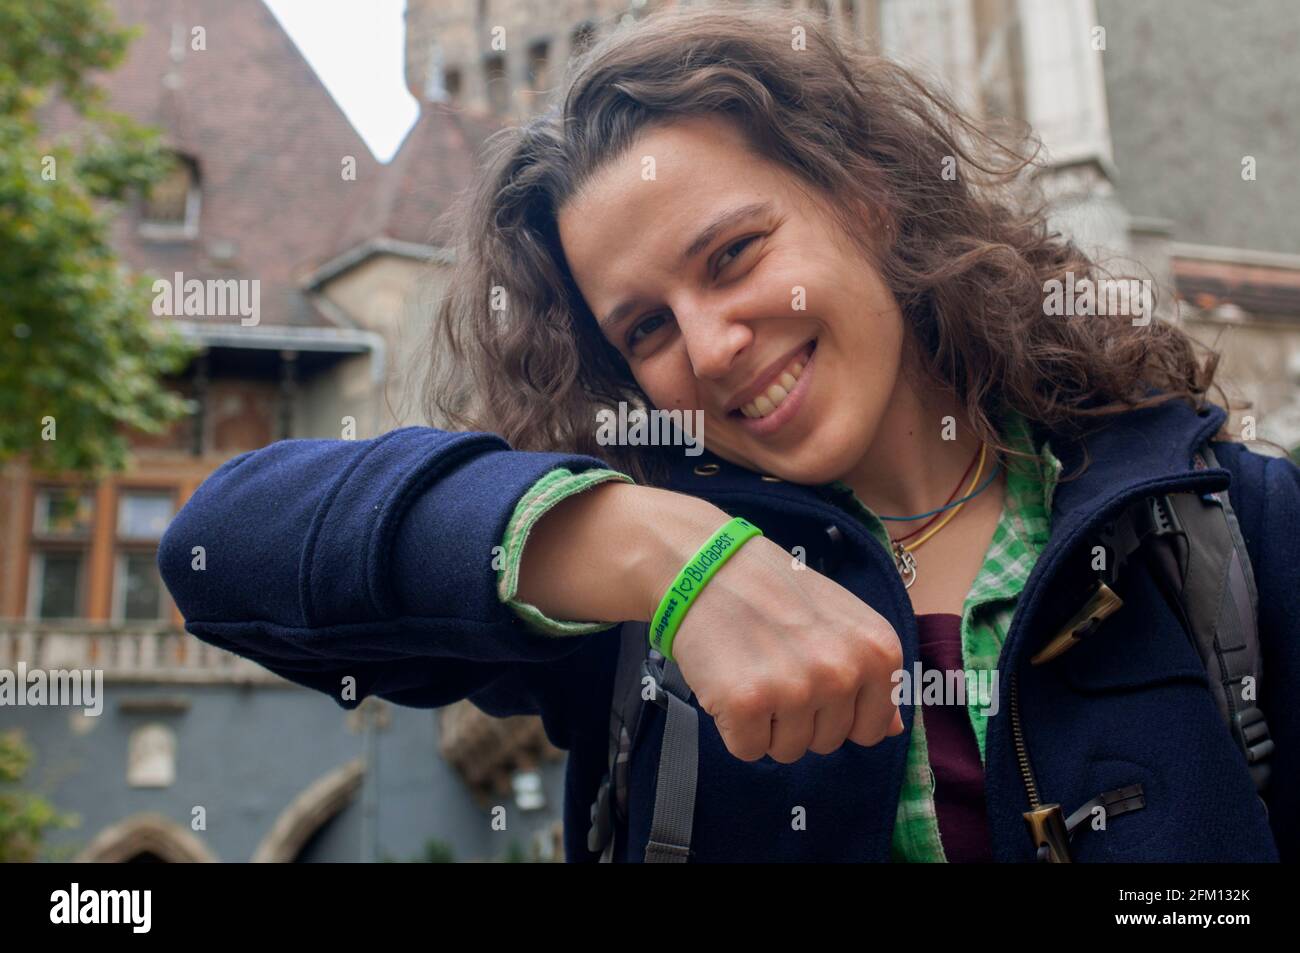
1022,751
1045,822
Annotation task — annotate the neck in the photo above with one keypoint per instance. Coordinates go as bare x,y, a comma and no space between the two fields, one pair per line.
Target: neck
910,467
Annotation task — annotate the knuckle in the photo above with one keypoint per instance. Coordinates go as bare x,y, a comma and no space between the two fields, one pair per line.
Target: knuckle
797,695
839,680
748,701
885,650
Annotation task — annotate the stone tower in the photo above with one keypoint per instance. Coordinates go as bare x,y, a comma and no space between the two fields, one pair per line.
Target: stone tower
503,56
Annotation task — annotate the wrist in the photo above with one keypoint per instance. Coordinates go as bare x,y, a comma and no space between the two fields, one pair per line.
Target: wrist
676,527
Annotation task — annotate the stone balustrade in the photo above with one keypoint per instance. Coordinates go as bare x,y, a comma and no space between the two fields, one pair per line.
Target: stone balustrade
125,652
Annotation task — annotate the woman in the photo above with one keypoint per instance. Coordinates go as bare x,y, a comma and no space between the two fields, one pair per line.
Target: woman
736,219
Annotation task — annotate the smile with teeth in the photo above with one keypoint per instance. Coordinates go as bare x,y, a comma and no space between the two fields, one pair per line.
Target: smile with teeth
772,398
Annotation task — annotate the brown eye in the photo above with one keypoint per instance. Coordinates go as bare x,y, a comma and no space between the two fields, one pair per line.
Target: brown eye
741,245
645,328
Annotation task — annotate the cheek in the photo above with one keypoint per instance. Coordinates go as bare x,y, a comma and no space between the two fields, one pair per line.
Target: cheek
875,328
668,382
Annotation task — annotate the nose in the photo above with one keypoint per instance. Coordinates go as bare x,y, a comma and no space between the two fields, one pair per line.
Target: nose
713,340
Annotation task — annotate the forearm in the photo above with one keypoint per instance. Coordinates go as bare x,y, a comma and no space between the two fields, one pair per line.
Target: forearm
609,552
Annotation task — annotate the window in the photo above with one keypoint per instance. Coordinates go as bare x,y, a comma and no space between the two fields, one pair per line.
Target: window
451,82
63,513
142,517
539,66
61,528
498,89
151,757
171,209
140,599
58,579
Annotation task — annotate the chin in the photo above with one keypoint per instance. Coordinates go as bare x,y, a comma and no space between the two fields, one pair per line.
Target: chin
812,467
814,473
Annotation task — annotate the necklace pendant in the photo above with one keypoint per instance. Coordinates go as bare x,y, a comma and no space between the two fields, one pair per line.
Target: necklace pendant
906,564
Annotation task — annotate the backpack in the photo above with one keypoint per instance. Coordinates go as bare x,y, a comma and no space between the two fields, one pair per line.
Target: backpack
1194,547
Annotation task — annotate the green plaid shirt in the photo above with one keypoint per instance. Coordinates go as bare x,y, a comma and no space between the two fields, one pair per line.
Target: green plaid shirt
1021,533
1018,540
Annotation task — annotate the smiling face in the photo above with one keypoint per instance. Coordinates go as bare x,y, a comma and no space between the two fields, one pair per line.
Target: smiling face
729,288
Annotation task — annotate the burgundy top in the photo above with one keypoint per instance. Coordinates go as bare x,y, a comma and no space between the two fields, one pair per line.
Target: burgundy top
954,753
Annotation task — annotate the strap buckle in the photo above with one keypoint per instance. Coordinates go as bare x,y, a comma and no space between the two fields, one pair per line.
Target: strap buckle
655,669
1150,517
1253,739
653,666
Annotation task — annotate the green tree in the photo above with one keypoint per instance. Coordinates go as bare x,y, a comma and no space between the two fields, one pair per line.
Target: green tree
436,851
24,817
515,854
82,361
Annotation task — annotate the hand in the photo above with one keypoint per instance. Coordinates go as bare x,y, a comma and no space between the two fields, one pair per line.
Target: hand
786,661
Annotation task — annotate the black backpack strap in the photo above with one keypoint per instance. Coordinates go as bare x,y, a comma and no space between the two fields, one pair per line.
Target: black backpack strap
1198,555
674,811
1217,589
624,716
679,758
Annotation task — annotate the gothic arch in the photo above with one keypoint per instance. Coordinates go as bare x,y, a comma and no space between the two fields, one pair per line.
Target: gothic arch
146,833
308,812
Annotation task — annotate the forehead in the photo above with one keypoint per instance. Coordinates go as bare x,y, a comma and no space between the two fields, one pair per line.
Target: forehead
634,217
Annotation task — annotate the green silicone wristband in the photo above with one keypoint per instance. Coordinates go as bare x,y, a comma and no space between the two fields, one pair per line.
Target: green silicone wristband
693,577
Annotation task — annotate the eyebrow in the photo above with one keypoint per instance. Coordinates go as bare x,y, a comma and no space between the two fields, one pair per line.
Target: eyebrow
702,240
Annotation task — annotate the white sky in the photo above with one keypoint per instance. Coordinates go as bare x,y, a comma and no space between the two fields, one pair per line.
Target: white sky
356,48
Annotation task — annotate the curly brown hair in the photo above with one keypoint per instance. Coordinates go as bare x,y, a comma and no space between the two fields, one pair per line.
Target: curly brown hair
516,349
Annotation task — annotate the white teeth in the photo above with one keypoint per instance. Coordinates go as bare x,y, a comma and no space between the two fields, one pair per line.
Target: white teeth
772,398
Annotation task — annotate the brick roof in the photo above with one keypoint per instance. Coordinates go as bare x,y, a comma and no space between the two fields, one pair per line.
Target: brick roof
268,138
436,160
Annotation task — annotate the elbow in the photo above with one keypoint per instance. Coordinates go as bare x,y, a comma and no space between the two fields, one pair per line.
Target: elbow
190,543
181,563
